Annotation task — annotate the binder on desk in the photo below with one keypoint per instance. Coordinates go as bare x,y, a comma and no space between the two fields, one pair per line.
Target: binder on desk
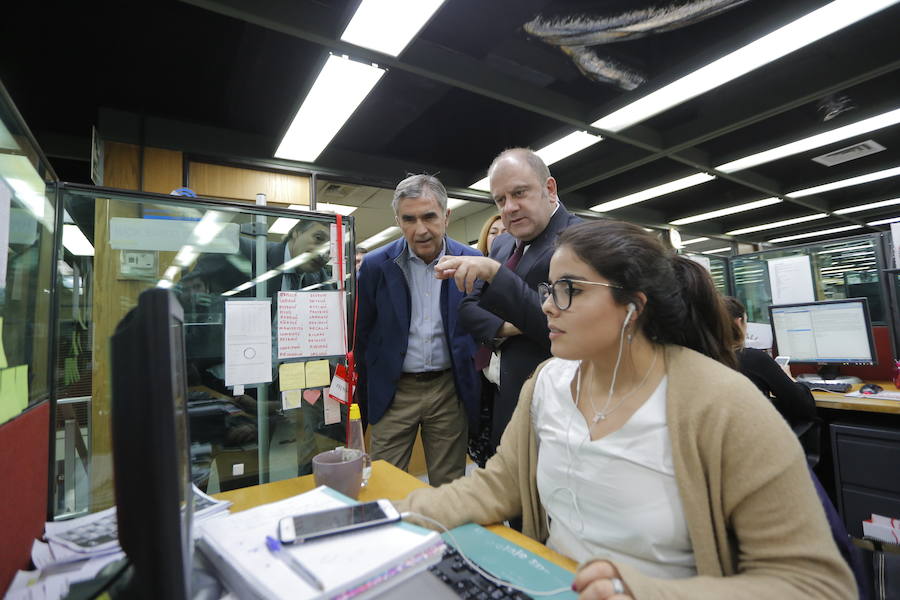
350,565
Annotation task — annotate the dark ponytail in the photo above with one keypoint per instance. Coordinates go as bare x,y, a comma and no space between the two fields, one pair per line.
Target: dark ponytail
683,306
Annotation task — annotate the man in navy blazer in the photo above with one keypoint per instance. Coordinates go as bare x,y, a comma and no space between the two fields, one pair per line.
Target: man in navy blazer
415,361
503,310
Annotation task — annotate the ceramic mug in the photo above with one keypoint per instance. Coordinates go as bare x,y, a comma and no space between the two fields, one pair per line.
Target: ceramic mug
340,469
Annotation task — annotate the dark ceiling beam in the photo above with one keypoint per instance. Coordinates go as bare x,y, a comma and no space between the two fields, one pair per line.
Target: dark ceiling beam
232,147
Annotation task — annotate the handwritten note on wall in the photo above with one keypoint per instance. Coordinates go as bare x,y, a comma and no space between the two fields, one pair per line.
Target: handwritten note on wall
311,324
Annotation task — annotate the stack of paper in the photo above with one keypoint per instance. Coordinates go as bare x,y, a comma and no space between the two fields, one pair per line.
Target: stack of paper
350,565
881,528
78,549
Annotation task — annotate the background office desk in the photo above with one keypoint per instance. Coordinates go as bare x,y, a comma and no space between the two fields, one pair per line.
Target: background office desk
387,481
841,402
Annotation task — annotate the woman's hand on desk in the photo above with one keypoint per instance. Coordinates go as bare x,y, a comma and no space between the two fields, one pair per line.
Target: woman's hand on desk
599,580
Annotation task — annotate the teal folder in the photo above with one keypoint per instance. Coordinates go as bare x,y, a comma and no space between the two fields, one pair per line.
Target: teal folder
511,562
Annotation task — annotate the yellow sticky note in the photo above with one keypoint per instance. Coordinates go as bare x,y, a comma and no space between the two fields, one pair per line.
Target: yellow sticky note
317,373
291,376
13,392
290,399
3,363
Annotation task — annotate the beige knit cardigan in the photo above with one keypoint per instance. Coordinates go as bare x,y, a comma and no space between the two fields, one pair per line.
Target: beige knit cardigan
756,525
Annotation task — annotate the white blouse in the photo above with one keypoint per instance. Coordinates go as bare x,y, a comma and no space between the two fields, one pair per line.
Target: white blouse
614,497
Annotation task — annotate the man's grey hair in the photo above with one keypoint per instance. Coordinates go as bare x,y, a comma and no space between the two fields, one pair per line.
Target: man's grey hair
419,186
534,162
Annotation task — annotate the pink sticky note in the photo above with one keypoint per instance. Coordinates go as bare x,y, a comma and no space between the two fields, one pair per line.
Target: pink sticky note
312,396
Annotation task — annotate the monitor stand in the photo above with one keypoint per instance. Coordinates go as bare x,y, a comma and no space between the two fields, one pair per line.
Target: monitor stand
829,374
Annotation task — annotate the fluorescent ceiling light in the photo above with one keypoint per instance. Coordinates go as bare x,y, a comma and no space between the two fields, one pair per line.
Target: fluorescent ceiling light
75,241
810,234
164,283
482,185
554,152
387,26
693,241
816,141
659,190
454,203
777,224
186,256
282,225
725,249
339,89
797,34
870,206
836,185
567,146
884,221
848,249
727,211
171,273
267,276
380,237
208,228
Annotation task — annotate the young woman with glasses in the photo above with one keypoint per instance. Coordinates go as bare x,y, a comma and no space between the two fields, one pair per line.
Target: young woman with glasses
639,452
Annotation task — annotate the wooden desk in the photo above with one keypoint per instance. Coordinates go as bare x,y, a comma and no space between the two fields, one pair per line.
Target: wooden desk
841,402
387,481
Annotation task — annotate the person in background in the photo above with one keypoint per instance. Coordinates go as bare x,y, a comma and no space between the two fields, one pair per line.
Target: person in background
794,401
414,359
502,310
640,452
360,254
487,363
491,229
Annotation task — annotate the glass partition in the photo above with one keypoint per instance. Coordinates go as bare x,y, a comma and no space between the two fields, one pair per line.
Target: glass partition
216,257
718,269
846,268
27,223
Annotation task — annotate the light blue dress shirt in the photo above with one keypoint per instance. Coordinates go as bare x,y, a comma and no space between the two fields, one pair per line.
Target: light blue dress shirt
427,348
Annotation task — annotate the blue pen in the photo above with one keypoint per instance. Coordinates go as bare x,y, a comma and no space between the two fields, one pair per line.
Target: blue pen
276,549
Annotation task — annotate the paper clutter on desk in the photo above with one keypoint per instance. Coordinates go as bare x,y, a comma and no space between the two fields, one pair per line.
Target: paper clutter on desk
883,529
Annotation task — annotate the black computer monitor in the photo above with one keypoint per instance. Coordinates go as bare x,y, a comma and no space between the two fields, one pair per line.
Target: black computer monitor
829,333
150,444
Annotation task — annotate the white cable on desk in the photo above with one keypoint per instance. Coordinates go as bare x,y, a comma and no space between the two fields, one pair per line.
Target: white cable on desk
478,569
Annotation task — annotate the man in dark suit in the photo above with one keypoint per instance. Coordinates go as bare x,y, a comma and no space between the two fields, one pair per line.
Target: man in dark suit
503,310
415,360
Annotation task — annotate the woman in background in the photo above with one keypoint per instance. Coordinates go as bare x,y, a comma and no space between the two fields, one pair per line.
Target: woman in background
793,400
640,452
491,229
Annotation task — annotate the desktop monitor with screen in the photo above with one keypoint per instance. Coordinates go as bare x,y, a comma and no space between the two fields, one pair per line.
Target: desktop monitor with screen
829,333
150,446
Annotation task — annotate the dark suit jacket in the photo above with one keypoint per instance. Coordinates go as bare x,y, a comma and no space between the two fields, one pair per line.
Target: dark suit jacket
383,331
513,297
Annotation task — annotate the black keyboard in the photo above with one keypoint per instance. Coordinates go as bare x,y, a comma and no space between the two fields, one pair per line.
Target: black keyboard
827,386
468,583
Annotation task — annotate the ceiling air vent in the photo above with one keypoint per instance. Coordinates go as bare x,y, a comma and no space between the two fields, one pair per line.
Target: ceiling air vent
849,153
336,190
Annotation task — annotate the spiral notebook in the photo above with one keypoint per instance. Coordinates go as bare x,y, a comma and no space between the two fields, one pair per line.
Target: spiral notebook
350,565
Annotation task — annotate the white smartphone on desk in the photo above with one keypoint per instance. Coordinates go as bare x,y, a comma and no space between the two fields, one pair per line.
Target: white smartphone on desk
783,361
300,528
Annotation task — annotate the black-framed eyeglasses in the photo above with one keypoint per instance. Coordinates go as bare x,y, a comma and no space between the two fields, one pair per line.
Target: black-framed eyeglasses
563,289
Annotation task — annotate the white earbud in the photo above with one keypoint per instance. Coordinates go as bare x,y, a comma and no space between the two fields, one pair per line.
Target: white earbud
631,309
